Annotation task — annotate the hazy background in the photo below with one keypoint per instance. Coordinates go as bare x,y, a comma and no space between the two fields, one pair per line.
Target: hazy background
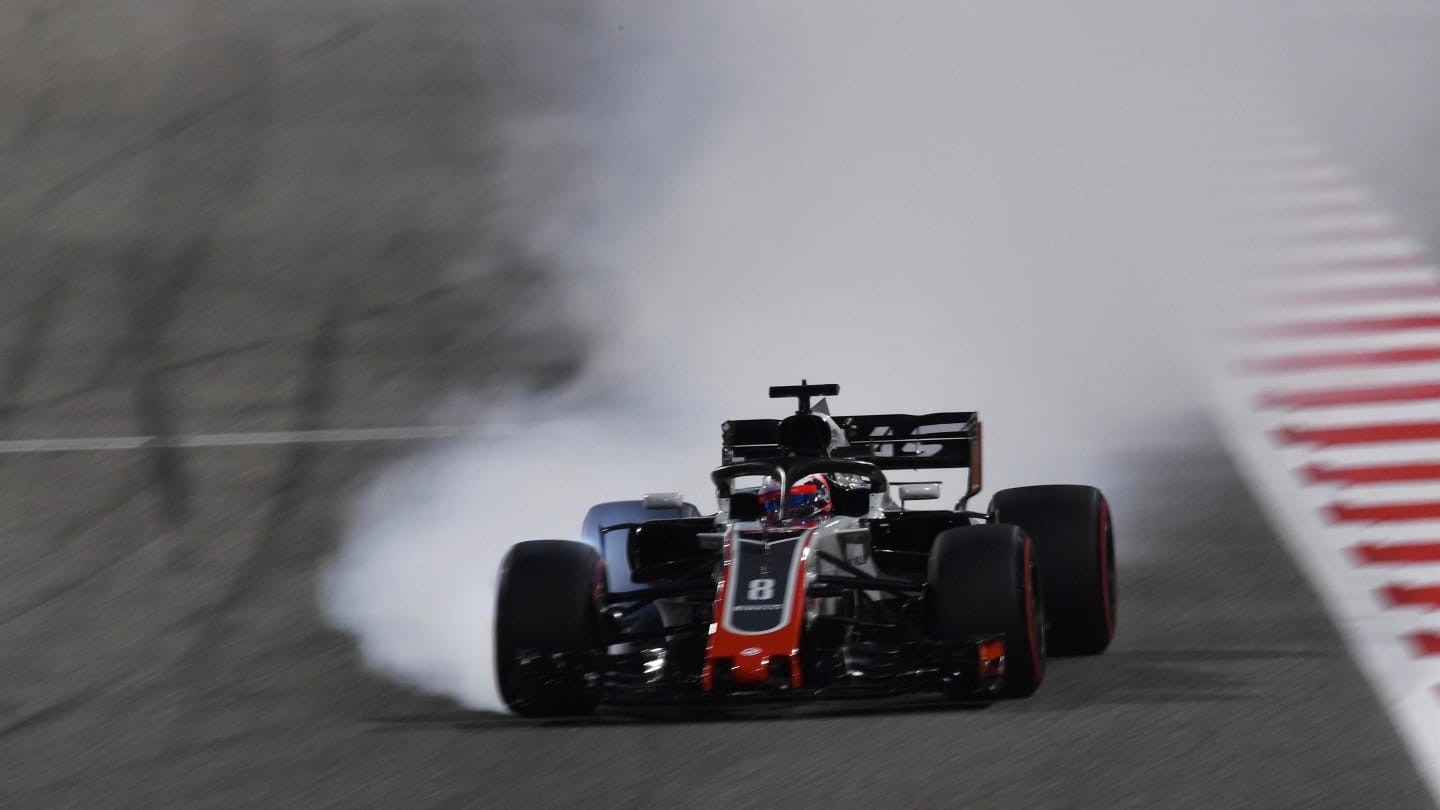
589,232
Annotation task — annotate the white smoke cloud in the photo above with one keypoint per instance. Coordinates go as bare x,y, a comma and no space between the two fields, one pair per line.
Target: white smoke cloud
414,580
937,205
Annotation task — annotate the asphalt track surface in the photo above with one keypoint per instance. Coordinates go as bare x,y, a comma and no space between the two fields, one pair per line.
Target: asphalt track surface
251,220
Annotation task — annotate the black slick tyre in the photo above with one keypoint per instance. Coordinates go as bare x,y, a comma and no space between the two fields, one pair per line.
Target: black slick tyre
547,605
983,580
1075,541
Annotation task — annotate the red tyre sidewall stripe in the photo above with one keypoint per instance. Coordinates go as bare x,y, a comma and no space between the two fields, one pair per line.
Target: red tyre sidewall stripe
1030,615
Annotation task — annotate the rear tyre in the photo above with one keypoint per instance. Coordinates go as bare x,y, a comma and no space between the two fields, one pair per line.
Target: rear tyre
982,581
547,604
612,544
1075,542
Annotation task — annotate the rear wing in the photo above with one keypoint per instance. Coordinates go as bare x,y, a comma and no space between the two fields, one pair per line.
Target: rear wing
890,441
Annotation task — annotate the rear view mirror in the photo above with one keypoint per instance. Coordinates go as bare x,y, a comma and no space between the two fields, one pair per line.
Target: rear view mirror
852,502
664,500
746,506
923,491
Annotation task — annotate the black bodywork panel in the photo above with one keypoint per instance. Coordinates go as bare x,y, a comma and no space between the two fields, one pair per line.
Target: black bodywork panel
901,540
898,441
661,549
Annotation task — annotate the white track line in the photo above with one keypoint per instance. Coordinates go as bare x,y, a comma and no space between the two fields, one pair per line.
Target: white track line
89,444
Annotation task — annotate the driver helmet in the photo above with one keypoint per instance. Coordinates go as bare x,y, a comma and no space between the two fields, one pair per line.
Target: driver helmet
809,497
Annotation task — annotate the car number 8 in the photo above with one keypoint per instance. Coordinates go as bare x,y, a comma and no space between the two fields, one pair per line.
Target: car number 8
760,590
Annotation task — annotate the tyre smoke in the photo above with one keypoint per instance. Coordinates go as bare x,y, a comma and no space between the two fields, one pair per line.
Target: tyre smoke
938,205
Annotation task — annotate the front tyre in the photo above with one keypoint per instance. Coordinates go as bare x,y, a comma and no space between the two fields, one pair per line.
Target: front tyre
547,606
983,580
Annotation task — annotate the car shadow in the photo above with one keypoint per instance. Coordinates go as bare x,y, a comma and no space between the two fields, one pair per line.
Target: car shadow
679,714
1130,676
